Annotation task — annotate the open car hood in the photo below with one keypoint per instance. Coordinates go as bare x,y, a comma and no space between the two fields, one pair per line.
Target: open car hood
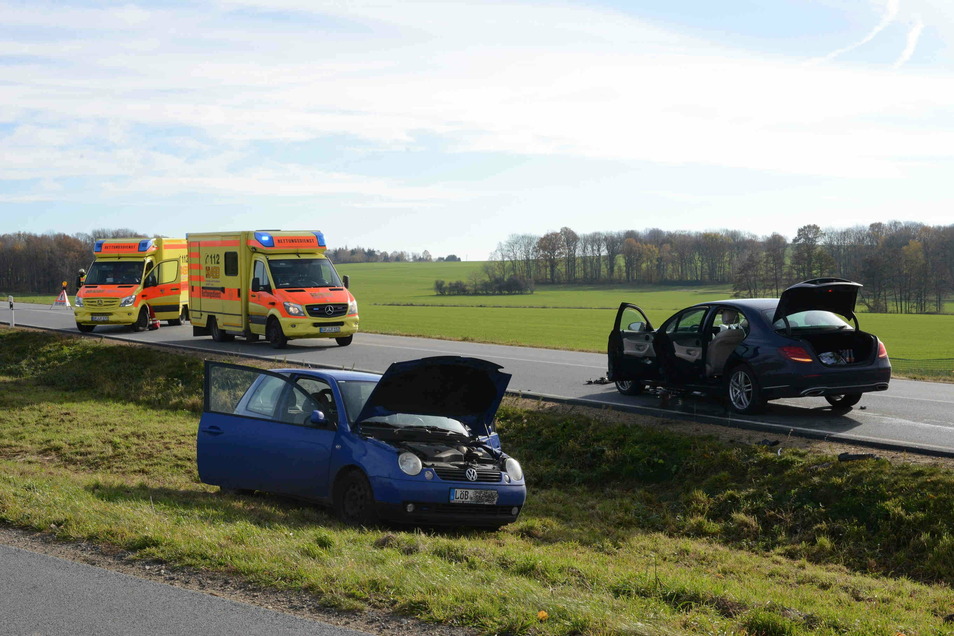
836,295
466,389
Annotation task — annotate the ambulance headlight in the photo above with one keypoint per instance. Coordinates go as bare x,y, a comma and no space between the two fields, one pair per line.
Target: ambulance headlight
128,301
352,307
79,301
294,309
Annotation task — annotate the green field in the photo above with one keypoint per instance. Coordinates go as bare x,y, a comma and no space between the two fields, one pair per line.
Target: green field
569,316
630,527
399,299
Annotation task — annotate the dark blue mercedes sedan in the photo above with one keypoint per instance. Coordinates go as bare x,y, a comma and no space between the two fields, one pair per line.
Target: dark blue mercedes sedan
748,351
415,445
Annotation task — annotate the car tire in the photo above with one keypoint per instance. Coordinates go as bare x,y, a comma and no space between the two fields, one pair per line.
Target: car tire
345,341
276,337
628,387
217,334
843,401
354,500
142,321
85,328
183,317
742,390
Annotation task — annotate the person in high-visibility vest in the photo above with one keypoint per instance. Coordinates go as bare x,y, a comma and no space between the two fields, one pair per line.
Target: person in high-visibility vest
80,278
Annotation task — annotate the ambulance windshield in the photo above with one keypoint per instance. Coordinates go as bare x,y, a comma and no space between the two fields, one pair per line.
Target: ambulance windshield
115,273
303,272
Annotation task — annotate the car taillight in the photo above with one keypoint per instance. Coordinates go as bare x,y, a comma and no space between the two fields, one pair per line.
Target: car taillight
796,354
882,352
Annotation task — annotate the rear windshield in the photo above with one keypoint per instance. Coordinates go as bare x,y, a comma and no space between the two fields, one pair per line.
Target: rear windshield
812,320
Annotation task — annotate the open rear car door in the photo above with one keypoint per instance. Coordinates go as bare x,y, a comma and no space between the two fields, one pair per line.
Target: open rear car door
631,355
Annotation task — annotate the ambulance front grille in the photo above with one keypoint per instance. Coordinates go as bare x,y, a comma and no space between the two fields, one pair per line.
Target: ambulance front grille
327,311
101,303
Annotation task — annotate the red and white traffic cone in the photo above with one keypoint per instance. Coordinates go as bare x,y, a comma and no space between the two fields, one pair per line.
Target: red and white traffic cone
153,321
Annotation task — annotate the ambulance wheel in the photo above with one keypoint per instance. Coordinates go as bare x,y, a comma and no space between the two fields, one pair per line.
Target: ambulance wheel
344,342
183,317
217,334
85,328
276,337
142,322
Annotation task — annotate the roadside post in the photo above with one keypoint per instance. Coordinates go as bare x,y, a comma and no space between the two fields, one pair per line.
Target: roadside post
13,322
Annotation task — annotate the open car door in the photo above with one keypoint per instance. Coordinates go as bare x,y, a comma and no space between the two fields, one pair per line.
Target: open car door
258,432
631,355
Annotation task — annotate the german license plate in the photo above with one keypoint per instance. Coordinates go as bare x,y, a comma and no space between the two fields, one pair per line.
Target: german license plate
465,495
99,318
329,329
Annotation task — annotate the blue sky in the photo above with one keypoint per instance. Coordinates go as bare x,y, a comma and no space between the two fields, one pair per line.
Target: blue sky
447,126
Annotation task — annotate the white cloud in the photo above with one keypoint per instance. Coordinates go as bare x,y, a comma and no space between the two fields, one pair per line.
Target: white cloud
494,77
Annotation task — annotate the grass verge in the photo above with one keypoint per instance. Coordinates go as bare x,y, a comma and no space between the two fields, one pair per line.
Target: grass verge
628,529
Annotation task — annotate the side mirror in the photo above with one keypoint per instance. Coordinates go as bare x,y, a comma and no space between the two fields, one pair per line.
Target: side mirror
256,285
346,280
150,281
318,418
636,326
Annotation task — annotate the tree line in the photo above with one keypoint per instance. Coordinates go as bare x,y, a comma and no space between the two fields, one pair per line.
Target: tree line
905,267
39,263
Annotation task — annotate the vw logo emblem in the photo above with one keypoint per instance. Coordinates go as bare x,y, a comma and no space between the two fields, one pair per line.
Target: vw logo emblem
330,310
471,474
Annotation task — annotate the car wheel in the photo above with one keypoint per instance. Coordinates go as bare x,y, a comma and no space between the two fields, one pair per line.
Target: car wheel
142,321
217,334
844,401
743,392
628,387
85,328
344,342
354,500
276,337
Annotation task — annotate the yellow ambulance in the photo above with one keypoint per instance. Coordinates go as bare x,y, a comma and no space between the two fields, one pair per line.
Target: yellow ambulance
277,284
129,276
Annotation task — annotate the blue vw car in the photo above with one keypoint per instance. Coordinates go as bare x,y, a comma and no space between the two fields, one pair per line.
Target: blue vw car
416,445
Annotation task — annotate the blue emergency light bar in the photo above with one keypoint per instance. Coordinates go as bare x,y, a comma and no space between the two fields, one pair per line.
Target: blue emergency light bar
145,245
267,240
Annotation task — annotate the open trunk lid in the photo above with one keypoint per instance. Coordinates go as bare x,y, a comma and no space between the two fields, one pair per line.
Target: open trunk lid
836,295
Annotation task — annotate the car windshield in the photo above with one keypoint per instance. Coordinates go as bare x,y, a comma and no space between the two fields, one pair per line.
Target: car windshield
408,421
812,320
115,273
303,272
355,394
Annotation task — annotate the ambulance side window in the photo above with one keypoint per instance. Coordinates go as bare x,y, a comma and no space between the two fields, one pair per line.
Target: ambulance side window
231,263
261,273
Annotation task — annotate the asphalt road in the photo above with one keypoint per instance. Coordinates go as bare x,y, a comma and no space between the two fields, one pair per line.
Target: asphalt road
913,416
45,595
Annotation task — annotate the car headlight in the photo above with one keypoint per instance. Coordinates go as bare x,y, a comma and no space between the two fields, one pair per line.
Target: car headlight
128,301
79,301
409,463
294,309
512,467
352,307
